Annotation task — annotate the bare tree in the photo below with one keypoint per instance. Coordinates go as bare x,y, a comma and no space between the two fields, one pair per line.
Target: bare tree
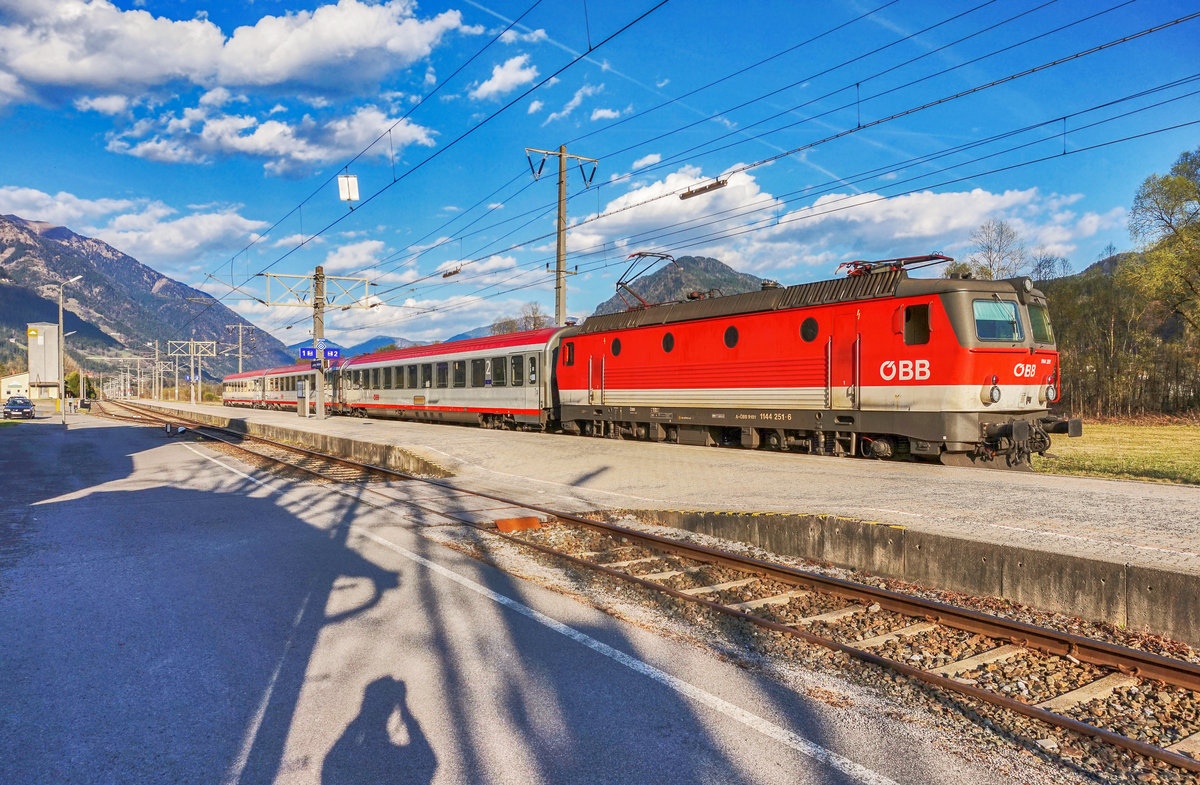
999,251
532,317
1045,265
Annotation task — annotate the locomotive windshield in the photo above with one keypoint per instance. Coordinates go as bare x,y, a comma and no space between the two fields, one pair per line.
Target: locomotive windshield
996,320
1039,324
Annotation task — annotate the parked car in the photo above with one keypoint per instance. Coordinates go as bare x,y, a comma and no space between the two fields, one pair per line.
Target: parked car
18,406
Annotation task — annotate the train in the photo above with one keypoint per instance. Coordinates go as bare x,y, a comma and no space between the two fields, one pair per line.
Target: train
878,363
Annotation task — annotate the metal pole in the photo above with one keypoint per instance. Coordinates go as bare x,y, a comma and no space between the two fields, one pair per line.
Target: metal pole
62,368
139,387
157,374
176,388
239,348
319,336
560,269
200,376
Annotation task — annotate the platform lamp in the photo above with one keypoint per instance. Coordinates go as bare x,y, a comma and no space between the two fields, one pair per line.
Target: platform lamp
62,367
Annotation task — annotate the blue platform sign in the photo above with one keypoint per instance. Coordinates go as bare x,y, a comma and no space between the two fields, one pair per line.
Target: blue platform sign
333,354
316,364
308,353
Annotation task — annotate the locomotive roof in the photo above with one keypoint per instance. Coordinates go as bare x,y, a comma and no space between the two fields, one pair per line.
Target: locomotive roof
882,283
487,343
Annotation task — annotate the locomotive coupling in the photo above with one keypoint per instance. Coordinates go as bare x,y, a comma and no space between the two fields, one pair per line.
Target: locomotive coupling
1071,427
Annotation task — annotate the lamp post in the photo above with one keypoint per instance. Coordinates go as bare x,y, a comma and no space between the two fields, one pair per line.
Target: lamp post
62,367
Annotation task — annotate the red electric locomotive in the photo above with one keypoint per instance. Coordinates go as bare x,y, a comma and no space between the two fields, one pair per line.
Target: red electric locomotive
955,370
879,364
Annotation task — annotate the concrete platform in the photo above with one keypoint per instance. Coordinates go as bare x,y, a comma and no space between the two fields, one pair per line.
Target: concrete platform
1118,551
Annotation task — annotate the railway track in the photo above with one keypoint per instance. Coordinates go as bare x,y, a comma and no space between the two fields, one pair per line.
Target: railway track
1133,700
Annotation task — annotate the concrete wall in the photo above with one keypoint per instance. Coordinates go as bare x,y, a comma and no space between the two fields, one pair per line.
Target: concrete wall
1136,597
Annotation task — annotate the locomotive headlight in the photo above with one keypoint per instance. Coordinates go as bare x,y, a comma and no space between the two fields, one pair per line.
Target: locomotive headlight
1052,393
995,394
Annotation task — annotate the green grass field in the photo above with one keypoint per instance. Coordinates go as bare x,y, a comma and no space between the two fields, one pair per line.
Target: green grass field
1162,453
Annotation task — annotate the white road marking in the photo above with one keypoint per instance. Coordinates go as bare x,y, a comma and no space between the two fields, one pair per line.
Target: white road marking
766,727
227,467
753,721
233,774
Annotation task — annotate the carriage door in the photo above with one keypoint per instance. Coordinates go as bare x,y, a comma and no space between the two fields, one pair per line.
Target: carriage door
843,362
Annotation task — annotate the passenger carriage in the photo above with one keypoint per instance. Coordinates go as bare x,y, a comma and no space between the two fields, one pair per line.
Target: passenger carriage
498,381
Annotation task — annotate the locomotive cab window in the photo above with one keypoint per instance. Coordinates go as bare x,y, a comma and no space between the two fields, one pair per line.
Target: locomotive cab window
916,325
568,353
996,320
499,366
1039,324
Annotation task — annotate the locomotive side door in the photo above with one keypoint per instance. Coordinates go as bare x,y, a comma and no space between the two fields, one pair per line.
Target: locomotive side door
843,361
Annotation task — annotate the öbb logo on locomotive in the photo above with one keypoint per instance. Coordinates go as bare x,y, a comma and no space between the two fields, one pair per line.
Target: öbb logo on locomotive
904,370
785,368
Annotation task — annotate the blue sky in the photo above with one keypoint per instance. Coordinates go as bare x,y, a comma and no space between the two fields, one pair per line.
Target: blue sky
203,138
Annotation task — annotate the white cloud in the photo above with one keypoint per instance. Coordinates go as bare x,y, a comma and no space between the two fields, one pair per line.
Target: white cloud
169,243
150,231
647,160
92,45
62,208
198,134
605,114
584,92
535,107
104,104
532,37
506,77
355,256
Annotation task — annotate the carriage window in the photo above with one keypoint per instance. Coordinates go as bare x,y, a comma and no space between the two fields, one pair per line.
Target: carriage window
374,378
568,353
916,325
532,369
387,378
518,376
398,377
412,377
443,375
1039,324
427,375
996,320
460,373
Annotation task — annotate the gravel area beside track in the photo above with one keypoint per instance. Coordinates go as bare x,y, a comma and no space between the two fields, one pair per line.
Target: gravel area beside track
1160,716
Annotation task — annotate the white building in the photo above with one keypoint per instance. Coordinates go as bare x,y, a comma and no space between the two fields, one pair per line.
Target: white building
17,384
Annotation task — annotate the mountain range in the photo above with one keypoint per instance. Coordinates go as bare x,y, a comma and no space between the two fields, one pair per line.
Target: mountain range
674,281
118,308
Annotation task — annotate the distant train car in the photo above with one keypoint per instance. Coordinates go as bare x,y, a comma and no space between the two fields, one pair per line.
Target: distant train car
876,364
278,388
500,381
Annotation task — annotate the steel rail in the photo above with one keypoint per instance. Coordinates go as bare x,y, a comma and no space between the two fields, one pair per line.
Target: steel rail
1129,661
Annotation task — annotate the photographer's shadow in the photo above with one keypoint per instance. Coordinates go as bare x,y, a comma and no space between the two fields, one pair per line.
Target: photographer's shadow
384,743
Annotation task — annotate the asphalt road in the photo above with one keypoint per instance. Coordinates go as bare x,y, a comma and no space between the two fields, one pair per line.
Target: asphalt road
169,615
